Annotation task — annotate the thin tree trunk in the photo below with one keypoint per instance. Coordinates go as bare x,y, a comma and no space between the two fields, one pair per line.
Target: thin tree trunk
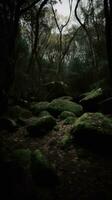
34,50
88,35
59,71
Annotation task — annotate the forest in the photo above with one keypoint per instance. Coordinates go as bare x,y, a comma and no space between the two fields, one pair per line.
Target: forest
56,99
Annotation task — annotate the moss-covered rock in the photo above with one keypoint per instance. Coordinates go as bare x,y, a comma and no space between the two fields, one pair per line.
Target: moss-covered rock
27,174
22,157
39,161
44,113
91,99
69,98
92,94
25,122
42,171
65,141
39,126
59,105
39,106
70,120
93,128
66,114
34,119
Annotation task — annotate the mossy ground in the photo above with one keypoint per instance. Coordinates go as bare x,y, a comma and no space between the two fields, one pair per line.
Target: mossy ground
83,175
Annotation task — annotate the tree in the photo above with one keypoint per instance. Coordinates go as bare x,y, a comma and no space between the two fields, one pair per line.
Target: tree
108,31
61,29
83,25
36,39
10,14
38,32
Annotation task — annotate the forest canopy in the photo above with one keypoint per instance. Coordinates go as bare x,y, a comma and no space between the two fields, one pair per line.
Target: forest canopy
38,45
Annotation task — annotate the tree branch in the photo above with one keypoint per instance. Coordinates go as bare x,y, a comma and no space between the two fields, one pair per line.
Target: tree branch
70,41
70,7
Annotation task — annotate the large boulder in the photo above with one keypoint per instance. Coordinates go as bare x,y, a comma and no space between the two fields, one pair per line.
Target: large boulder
32,120
93,129
42,171
66,114
59,105
36,165
44,113
91,99
26,174
38,107
37,126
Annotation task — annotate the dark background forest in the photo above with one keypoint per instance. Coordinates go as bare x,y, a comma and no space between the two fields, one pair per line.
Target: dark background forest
37,49
55,100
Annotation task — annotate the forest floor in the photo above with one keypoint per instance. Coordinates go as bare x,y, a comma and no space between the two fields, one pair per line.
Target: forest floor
83,174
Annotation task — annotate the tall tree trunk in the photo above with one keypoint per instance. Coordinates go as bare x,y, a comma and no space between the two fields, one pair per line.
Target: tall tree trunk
108,32
36,40
9,21
10,13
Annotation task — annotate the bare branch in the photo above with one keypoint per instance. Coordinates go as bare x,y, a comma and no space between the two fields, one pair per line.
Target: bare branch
69,43
70,7
60,28
88,35
56,21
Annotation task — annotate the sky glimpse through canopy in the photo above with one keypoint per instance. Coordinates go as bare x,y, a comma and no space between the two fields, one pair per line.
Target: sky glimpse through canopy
63,8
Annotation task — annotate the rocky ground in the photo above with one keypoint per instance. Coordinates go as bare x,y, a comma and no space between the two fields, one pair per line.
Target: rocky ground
78,171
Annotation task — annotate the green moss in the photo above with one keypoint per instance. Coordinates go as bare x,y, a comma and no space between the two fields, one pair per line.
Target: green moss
66,114
58,105
92,94
95,122
69,98
40,106
38,160
70,120
22,157
42,171
41,125
44,113
65,141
